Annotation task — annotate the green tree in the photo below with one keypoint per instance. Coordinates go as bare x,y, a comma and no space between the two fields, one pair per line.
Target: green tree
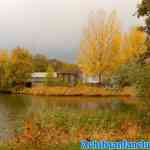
144,11
124,75
133,74
40,63
141,78
21,65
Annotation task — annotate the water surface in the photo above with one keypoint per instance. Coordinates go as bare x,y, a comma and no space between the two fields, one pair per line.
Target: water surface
15,109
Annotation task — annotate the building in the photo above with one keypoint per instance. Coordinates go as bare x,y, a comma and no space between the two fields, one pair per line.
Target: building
87,79
69,77
38,77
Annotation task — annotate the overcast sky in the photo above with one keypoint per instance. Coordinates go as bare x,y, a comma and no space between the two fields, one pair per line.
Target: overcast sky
54,27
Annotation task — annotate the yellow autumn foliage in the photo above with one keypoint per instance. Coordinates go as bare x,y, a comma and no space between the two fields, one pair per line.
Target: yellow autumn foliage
3,56
104,46
133,45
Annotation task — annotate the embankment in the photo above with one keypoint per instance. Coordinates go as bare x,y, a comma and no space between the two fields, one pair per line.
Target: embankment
75,91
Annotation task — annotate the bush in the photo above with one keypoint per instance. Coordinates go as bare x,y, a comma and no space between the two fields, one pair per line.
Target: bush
55,82
123,76
133,74
141,79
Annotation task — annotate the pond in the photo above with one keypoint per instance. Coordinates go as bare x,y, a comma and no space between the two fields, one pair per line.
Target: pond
15,109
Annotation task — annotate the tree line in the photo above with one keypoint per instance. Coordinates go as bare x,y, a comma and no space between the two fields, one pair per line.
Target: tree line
106,51
16,67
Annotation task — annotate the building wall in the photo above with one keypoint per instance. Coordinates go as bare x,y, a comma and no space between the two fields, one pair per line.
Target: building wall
90,79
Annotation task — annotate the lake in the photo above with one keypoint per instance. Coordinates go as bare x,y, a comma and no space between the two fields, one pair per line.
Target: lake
15,109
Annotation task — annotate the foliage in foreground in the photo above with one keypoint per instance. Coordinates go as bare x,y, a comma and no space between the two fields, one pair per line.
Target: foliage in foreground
59,127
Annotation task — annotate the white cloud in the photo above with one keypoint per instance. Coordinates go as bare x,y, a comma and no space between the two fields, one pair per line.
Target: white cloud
54,24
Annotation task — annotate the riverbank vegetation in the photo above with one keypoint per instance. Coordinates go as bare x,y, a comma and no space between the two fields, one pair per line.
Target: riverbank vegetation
80,90
64,127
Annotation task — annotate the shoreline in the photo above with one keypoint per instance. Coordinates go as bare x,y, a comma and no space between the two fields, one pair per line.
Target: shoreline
78,91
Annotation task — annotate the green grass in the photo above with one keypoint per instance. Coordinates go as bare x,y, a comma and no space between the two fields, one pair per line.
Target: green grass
108,118
61,121
5,147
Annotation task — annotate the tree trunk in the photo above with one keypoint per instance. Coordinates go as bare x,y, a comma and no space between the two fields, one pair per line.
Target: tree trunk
100,78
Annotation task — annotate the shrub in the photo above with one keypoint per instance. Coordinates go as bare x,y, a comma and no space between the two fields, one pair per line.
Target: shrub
124,75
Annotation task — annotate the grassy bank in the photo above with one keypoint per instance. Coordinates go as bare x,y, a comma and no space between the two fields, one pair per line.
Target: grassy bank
75,91
63,128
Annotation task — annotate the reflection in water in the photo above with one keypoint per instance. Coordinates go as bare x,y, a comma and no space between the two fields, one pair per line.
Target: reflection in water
12,110
15,109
